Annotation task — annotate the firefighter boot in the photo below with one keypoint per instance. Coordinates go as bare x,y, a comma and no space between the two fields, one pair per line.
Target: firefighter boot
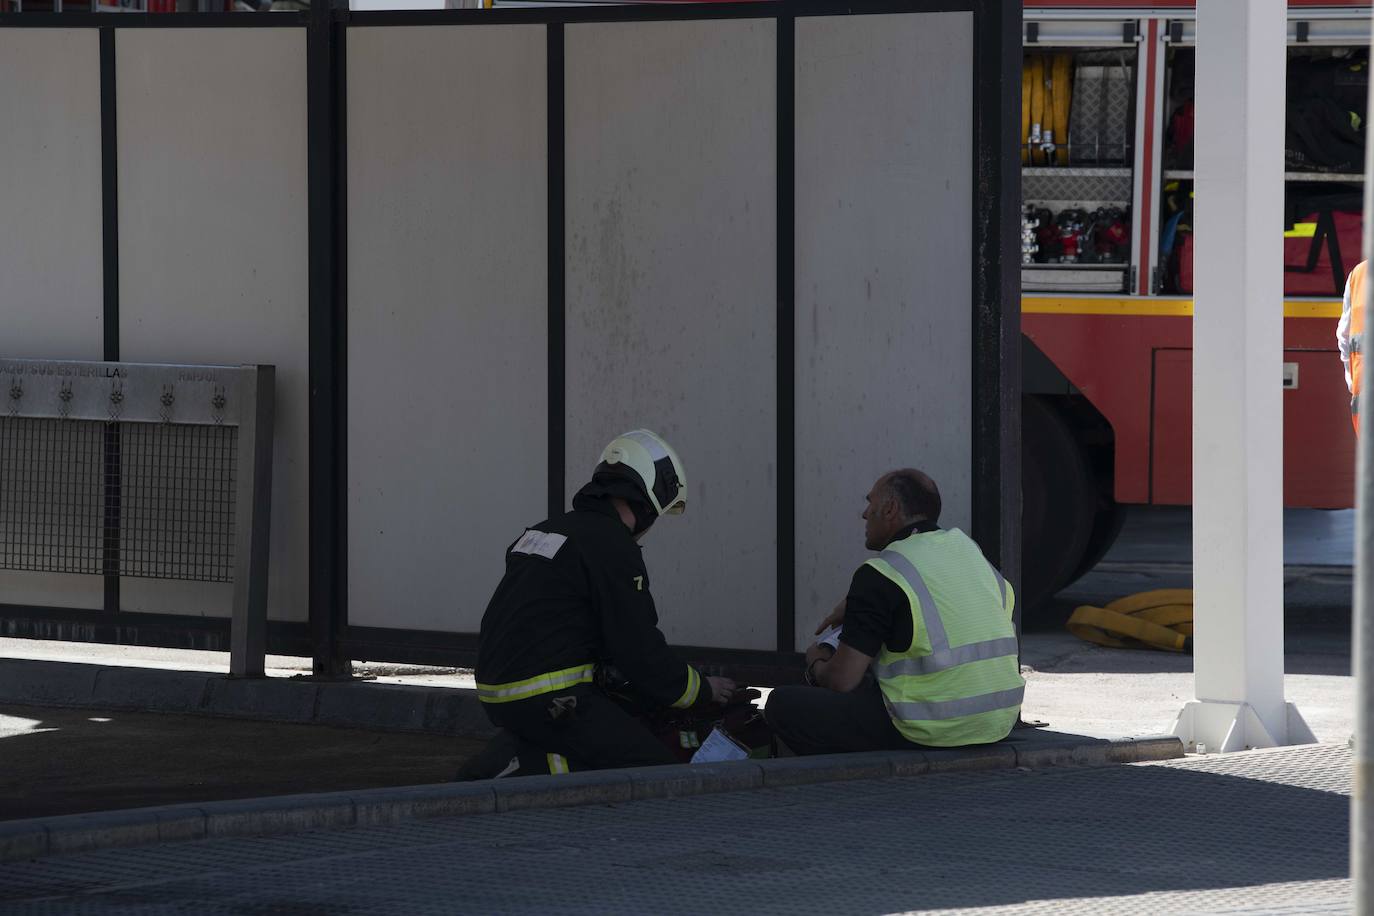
495,760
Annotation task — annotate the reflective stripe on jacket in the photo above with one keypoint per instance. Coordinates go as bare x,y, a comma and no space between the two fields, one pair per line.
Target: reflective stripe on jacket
535,686
959,682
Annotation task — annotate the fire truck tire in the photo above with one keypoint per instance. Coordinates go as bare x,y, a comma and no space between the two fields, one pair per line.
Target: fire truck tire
1058,505
1111,516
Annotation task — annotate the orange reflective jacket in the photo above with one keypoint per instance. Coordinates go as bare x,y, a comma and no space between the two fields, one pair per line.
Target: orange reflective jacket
1356,285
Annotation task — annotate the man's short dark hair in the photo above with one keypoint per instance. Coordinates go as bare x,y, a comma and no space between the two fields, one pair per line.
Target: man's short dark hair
916,493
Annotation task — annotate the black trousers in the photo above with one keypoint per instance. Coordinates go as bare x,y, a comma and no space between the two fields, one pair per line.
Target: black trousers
589,729
813,720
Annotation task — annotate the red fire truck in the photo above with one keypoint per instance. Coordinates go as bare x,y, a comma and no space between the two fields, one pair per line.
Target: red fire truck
1106,276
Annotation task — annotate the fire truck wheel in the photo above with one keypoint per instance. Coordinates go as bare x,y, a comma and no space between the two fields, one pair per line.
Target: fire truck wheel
1059,506
1110,518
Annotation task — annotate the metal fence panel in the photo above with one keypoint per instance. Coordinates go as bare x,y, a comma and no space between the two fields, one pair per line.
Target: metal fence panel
213,248
447,316
672,297
479,243
50,220
50,214
884,299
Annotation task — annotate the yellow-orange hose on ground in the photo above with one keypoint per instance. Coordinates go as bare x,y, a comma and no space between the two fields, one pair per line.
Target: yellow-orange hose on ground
1159,619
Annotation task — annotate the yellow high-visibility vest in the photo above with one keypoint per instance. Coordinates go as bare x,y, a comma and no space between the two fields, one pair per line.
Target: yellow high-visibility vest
959,682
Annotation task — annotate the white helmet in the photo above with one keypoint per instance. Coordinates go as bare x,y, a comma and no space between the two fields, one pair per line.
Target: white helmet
652,464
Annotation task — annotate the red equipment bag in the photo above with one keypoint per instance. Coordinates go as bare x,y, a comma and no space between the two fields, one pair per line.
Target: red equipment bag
1316,262
1185,262
684,731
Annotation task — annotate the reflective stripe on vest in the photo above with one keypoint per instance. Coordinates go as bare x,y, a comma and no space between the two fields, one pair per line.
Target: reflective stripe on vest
534,686
956,709
937,693
941,655
1356,343
949,658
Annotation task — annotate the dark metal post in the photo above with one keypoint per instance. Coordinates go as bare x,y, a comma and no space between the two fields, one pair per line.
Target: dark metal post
328,342
787,334
553,62
109,207
253,528
996,288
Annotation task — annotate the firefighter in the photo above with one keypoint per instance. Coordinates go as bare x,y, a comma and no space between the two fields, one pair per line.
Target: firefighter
932,618
573,617
1350,337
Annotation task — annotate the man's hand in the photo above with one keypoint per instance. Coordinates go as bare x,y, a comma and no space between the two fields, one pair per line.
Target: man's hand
722,689
818,651
834,618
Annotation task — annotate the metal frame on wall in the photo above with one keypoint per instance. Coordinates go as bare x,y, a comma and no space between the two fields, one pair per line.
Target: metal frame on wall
328,637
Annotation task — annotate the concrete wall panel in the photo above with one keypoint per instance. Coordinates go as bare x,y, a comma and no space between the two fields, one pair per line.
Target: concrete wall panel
213,248
884,134
448,316
50,213
671,298
51,293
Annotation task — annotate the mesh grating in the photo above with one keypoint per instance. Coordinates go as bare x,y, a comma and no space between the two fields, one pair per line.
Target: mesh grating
143,500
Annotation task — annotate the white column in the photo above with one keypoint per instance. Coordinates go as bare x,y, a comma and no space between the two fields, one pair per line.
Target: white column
1237,390
1362,798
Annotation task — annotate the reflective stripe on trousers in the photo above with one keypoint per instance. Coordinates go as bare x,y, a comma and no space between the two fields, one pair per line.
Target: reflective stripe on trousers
941,656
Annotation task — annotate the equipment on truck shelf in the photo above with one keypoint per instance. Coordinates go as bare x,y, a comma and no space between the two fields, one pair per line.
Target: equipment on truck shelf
1046,88
1100,122
1076,236
1107,358
1326,109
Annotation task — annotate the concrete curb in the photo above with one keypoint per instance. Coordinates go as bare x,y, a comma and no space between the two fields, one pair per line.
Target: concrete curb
31,839
352,704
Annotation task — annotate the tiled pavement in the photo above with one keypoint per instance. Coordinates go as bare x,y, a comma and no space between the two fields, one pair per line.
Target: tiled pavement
1260,832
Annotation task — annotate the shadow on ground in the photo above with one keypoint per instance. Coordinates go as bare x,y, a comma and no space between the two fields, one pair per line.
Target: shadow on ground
68,761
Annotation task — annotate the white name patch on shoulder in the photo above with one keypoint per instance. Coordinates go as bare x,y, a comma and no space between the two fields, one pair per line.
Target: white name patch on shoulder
539,543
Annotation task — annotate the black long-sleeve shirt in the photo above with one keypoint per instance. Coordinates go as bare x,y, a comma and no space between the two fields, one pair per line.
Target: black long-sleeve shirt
877,611
579,593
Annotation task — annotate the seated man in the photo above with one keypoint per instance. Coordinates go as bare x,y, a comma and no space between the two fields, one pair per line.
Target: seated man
574,601
937,618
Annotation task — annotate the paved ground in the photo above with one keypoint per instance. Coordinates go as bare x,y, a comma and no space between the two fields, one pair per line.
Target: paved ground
1261,832
1087,689
62,761
68,761
1311,537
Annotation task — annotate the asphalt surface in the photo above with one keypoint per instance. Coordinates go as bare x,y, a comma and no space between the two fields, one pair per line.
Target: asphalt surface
1087,689
1256,832
69,761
